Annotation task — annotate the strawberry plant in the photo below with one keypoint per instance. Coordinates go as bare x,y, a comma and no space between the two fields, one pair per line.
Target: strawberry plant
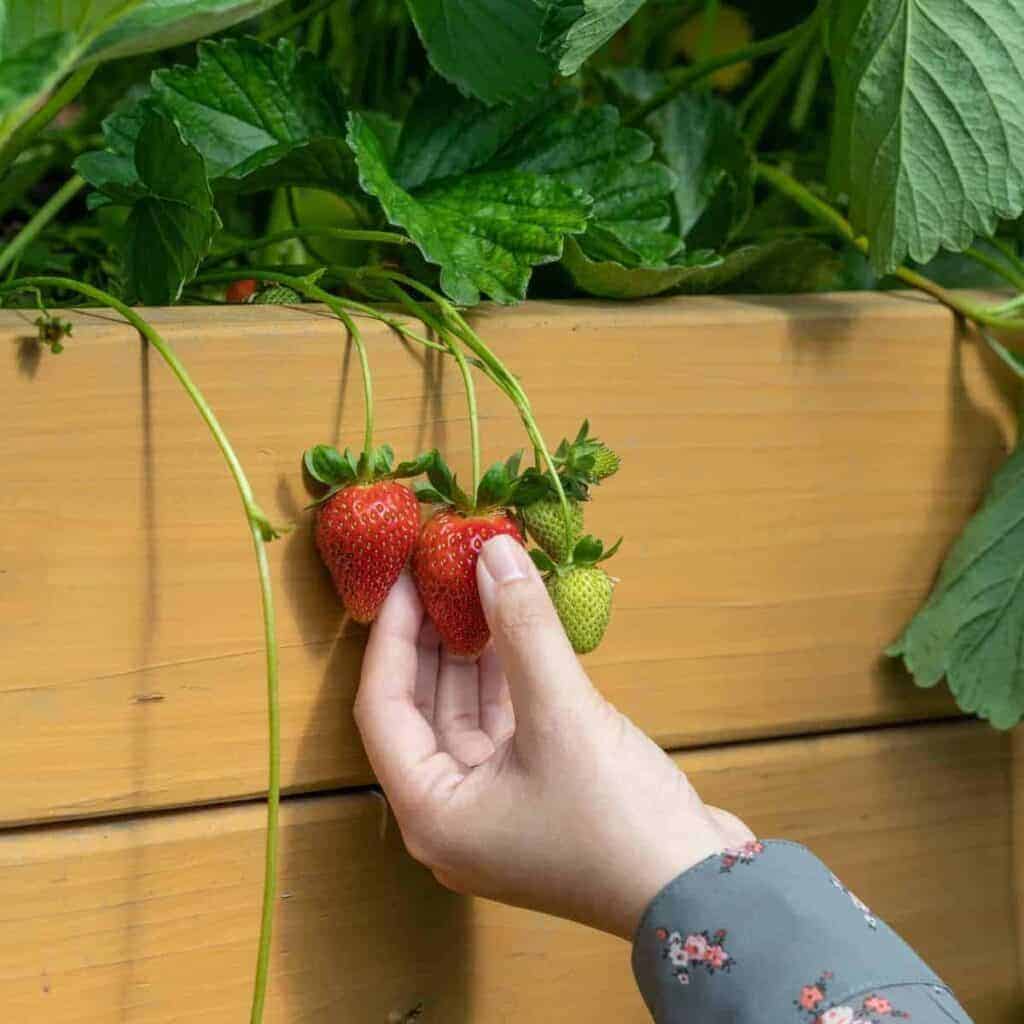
431,154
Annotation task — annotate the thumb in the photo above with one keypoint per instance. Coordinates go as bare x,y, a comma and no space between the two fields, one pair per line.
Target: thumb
543,672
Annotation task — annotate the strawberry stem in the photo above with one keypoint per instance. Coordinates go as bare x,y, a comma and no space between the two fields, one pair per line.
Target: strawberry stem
453,347
261,532
494,368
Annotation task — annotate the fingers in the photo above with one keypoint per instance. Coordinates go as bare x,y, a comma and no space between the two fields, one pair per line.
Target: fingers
400,742
457,711
542,670
497,718
428,661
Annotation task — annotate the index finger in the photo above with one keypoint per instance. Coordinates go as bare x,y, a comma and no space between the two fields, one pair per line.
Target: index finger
399,741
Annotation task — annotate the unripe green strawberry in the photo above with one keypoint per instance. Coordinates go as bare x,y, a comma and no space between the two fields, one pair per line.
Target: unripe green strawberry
583,599
546,525
276,295
606,463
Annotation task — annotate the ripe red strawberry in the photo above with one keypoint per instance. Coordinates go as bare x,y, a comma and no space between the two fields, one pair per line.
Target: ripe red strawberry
367,524
444,568
241,290
365,534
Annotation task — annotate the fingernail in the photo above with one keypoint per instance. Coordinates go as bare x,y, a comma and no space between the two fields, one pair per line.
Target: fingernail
505,559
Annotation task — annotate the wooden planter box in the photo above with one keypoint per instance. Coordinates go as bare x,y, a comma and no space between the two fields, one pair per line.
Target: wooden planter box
794,471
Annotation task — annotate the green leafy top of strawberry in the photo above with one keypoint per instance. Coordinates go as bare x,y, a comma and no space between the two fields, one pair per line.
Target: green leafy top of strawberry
501,486
336,470
580,464
588,551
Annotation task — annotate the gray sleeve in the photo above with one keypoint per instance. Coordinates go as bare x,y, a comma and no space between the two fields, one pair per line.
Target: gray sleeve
766,932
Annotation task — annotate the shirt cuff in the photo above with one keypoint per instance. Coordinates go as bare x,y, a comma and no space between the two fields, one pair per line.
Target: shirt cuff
766,932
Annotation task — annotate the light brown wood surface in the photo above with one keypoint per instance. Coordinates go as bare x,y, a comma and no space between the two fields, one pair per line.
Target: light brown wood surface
793,472
154,919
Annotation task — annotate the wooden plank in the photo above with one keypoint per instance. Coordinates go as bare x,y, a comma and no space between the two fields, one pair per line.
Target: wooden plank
794,471
154,920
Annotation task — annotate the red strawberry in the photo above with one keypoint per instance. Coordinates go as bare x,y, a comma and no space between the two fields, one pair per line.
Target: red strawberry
444,567
366,524
241,290
365,534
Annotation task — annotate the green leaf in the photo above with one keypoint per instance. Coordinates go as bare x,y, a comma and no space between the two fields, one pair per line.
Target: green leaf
451,146
171,220
486,230
495,487
612,279
327,465
42,41
698,138
746,268
261,115
414,467
970,629
928,141
575,29
428,495
488,48
542,560
587,550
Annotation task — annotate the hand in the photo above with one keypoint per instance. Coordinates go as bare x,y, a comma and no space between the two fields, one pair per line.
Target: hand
510,776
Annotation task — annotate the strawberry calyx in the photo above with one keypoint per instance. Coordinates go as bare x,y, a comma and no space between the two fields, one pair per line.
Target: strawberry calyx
587,552
337,470
502,486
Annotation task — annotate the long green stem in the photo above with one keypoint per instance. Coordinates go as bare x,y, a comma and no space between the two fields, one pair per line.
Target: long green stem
261,533
455,350
821,211
501,375
348,234
40,219
337,307
1010,252
695,72
61,97
1004,270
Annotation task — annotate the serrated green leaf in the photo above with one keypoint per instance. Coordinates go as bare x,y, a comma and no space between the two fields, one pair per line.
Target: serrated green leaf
486,230
969,631
698,138
262,116
42,41
488,48
172,219
928,141
575,29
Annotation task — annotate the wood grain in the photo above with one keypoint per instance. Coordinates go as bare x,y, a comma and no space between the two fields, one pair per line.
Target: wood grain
153,920
794,471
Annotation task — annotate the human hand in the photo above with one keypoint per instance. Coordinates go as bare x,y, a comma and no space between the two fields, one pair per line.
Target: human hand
510,776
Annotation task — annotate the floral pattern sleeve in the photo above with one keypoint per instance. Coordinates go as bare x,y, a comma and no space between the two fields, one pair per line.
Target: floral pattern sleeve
766,932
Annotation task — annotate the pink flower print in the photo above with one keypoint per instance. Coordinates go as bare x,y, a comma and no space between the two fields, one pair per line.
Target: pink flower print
728,862
753,848
837,1015
811,997
697,951
744,854
878,1004
716,957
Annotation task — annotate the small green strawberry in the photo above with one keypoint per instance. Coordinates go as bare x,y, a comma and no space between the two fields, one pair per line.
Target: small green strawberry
276,295
583,599
580,591
606,463
545,522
